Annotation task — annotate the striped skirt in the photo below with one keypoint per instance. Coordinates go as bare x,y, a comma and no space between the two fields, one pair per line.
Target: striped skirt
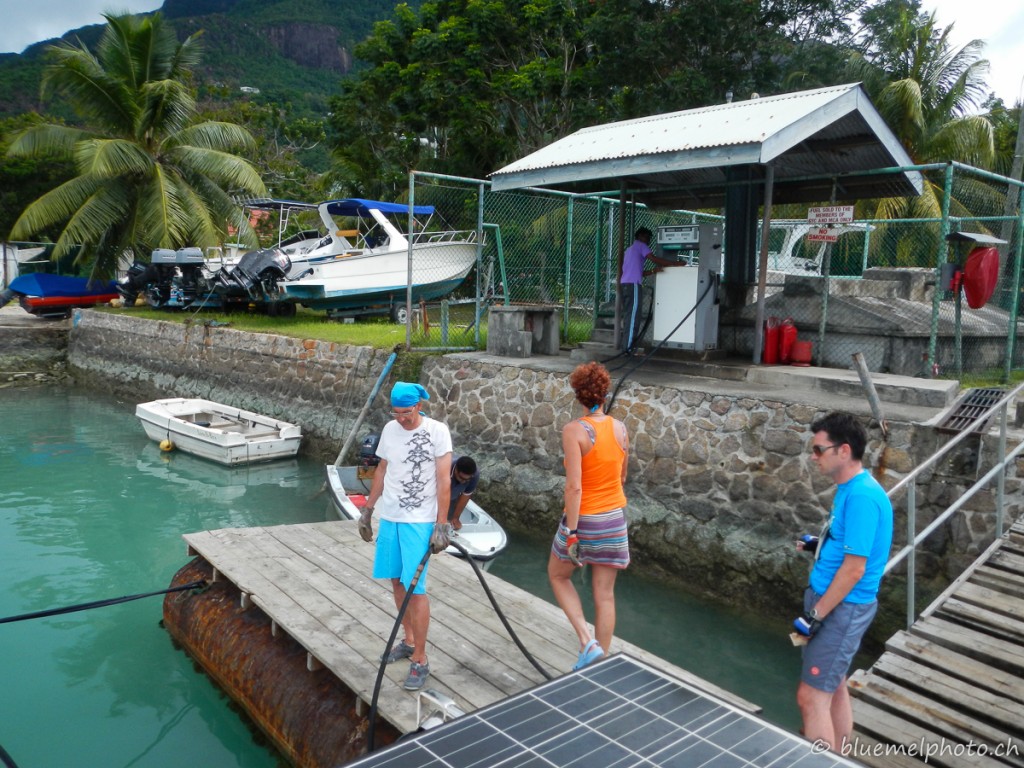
603,539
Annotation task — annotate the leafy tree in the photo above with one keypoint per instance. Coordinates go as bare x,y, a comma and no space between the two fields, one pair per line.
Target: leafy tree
23,179
927,91
289,151
464,86
148,175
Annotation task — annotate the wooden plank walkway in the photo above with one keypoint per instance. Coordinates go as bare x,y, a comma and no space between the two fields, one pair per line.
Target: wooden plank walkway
313,581
956,678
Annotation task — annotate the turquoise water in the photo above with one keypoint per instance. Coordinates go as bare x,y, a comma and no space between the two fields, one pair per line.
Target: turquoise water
91,509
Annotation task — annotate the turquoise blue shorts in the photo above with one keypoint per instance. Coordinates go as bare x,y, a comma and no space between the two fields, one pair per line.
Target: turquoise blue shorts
400,547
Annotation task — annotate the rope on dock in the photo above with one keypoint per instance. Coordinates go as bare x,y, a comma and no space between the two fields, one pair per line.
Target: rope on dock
100,603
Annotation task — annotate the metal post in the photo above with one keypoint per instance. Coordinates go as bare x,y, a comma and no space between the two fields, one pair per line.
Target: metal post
408,278
867,244
762,277
1001,478
598,230
826,271
568,268
479,306
444,324
933,340
958,340
912,557
1011,337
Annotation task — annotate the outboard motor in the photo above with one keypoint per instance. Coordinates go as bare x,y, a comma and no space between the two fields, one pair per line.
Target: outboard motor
368,451
138,277
255,276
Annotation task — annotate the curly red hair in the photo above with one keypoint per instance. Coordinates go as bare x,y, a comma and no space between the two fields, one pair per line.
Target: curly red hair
591,383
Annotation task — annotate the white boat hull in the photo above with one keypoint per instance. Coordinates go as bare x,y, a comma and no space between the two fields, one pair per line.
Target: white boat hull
371,276
217,432
480,535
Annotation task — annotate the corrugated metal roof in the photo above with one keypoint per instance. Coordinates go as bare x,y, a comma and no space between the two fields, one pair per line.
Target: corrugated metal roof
681,157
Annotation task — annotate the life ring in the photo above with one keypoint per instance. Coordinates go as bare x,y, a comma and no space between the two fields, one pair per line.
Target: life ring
981,273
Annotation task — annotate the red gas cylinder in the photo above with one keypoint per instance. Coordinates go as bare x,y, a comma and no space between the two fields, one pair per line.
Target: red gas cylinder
770,348
787,335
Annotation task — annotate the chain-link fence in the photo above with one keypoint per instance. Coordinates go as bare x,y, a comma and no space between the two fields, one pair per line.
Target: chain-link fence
903,283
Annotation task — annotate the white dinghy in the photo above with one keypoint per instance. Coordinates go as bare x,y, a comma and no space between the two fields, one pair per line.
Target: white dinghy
481,537
221,433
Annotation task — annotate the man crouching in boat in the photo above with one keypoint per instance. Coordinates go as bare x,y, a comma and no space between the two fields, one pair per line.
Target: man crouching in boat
413,485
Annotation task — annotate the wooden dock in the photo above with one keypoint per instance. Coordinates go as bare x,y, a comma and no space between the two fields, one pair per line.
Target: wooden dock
313,582
955,678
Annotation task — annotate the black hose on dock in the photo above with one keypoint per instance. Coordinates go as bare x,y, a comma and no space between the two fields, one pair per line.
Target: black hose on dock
100,603
372,719
487,590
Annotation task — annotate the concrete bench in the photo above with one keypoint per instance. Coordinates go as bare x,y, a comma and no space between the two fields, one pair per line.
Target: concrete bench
523,330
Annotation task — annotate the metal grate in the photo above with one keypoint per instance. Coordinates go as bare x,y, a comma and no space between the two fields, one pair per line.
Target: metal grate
974,404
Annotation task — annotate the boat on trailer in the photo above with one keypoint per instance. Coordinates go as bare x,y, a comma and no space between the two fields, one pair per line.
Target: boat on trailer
54,296
367,266
221,433
480,535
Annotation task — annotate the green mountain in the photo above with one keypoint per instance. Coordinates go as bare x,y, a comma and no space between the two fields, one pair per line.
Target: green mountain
285,50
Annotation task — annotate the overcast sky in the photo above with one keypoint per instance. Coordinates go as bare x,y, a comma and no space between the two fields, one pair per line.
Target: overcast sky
999,22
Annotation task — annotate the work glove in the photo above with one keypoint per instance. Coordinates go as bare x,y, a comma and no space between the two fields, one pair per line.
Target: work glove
365,529
440,538
572,547
808,543
806,625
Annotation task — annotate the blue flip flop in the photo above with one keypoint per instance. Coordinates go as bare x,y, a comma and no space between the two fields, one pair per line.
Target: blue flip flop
591,652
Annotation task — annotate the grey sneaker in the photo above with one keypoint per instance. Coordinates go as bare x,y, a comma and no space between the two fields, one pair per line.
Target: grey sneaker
400,650
417,676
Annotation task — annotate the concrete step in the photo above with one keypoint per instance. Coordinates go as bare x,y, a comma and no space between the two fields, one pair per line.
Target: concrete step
713,364
905,390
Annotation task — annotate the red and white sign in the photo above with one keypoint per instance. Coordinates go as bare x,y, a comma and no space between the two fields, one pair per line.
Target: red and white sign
830,214
822,235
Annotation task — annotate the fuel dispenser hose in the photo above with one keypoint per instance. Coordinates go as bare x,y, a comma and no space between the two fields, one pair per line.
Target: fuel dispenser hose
655,348
372,717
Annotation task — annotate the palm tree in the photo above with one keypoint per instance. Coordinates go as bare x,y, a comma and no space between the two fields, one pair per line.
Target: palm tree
927,92
148,176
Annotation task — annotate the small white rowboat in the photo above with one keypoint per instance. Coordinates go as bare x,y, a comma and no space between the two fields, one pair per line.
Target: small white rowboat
218,432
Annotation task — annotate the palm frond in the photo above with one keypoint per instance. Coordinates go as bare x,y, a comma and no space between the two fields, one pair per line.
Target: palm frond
212,135
55,207
46,140
227,170
107,158
78,76
161,211
101,211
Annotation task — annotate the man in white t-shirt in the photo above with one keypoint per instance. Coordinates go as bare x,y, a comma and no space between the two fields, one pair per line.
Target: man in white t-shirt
412,485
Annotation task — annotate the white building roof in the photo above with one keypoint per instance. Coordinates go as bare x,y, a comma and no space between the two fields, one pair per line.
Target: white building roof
680,159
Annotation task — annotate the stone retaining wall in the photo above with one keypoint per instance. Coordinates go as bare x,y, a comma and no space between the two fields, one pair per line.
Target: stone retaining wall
718,486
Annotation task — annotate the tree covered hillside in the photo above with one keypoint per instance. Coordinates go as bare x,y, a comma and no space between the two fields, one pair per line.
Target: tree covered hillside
291,50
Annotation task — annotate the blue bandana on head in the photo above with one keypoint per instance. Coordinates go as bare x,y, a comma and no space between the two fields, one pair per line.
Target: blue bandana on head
404,394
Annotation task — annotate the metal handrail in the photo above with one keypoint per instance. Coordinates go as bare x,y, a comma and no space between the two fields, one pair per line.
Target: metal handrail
908,483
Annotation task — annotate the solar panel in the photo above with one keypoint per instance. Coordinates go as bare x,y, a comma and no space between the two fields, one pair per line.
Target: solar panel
618,713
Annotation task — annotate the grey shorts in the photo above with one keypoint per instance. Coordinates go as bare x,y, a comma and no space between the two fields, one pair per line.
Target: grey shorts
827,657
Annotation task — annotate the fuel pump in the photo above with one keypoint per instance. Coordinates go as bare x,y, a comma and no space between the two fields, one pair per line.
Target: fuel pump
689,290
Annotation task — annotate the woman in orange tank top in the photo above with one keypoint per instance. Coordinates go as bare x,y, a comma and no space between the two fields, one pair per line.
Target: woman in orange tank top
593,527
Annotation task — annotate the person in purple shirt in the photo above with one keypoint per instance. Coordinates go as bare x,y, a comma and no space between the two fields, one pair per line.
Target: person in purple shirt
633,261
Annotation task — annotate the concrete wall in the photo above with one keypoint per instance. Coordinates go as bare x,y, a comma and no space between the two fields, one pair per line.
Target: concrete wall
719,486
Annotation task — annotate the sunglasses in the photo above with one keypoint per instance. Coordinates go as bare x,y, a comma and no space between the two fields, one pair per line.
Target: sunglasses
819,450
